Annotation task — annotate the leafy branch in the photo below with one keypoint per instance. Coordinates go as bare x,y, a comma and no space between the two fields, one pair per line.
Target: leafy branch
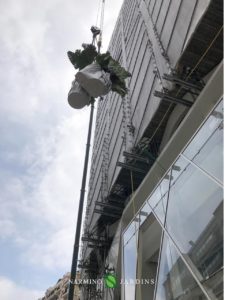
82,58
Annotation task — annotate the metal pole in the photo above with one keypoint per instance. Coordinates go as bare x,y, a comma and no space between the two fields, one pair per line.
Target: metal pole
80,211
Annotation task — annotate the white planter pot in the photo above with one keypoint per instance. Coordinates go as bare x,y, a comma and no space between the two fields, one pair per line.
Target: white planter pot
77,96
94,80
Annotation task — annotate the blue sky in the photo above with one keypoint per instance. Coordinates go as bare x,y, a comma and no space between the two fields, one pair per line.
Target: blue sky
42,139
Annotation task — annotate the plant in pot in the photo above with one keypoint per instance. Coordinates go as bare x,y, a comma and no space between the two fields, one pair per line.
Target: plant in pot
89,63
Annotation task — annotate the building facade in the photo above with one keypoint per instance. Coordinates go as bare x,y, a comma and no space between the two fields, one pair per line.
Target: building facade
154,207
60,290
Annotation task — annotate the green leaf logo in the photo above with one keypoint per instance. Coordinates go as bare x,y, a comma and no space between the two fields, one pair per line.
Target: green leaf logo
110,281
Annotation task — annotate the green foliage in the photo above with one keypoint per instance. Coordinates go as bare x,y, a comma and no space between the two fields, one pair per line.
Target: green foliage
117,73
82,58
103,60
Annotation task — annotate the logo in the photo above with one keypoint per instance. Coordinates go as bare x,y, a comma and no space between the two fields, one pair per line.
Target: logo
110,281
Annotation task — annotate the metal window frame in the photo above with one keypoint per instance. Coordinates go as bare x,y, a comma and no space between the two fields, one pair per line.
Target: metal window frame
210,176
194,274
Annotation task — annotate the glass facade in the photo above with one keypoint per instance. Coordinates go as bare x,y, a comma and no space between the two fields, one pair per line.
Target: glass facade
188,207
206,149
175,280
194,200
130,261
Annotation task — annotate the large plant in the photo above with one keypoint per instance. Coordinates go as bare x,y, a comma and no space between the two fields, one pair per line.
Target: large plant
82,58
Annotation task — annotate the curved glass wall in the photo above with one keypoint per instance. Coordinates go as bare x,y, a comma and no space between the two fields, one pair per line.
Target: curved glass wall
206,149
175,280
188,205
194,221
158,199
130,260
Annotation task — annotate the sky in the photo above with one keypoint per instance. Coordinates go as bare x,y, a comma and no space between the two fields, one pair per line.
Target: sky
42,139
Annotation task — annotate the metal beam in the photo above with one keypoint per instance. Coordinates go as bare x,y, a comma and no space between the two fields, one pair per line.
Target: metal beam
109,206
136,157
172,99
143,213
176,168
118,203
101,212
96,246
91,240
184,83
115,199
131,168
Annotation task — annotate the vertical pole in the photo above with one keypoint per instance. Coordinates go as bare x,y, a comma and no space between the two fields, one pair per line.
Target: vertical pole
80,211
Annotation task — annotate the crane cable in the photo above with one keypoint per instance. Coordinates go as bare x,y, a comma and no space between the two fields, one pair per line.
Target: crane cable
99,43
97,18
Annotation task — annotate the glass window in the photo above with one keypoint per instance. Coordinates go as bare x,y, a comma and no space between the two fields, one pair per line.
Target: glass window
158,199
144,212
194,219
160,191
130,231
174,279
210,157
148,255
181,165
160,208
164,184
206,149
215,284
130,261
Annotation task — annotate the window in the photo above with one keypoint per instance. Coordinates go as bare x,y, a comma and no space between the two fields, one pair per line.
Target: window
206,149
187,209
130,260
158,200
174,279
194,219
148,256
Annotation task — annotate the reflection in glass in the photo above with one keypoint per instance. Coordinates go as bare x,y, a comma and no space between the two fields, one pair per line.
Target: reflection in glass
160,209
130,231
144,212
215,284
130,259
174,279
206,149
164,184
210,157
194,219
180,164
160,191
148,255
